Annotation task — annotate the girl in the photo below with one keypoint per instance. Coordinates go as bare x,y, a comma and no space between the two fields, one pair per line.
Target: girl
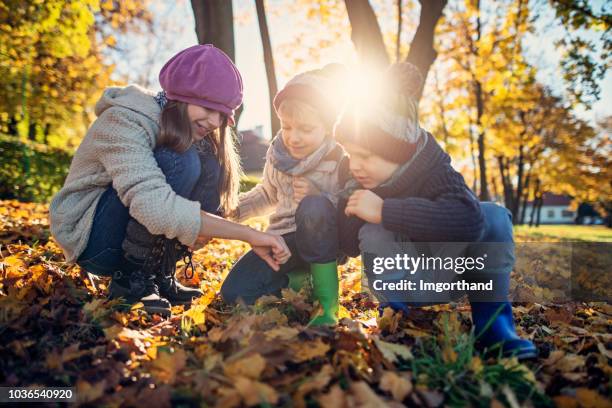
149,176
300,179
405,197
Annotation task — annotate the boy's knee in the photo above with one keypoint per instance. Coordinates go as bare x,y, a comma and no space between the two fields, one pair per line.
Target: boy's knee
315,213
316,230
229,293
183,167
498,223
372,237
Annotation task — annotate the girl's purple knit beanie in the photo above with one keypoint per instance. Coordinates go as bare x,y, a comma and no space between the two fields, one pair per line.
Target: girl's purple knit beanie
203,75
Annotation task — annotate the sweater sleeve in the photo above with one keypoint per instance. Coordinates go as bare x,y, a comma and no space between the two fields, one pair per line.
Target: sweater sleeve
261,199
126,152
452,215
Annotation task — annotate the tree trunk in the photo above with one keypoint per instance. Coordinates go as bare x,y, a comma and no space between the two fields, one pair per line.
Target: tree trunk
539,211
472,153
366,34
525,198
398,37
46,132
269,62
32,131
214,24
368,39
422,52
536,195
495,190
519,184
482,163
12,126
507,185
482,166
440,96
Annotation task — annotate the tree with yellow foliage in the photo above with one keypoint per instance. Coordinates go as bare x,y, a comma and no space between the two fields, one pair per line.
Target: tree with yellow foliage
53,65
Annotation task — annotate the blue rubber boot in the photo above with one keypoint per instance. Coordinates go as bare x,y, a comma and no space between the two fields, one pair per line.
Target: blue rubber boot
396,306
491,310
494,326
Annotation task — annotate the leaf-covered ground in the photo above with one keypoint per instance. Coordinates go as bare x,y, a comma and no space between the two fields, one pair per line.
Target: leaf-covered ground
58,329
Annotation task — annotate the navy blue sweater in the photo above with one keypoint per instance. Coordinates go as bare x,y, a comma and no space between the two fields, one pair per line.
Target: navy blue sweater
429,202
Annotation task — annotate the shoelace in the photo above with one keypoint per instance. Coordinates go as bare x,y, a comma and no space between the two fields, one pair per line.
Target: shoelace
166,252
187,256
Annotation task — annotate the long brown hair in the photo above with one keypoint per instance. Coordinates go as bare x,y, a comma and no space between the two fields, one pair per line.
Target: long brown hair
176,134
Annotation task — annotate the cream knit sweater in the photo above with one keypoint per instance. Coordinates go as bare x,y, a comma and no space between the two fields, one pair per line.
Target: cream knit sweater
118,149
274,195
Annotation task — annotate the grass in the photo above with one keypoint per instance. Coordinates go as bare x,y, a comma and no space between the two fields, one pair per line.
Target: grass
450,366
587,233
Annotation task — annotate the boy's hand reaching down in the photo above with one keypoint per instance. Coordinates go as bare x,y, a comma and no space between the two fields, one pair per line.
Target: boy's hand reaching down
303,187
365,205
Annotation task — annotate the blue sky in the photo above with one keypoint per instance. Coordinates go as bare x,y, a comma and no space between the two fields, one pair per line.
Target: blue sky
287,24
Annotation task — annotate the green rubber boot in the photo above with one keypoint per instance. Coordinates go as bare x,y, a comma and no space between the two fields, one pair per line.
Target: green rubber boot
325,290
299,279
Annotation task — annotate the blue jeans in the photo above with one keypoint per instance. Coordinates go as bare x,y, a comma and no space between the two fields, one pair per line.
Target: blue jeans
190,174
495,246
314,241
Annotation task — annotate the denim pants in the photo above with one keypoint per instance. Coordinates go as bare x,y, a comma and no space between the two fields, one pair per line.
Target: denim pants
314,241
191,175
495,246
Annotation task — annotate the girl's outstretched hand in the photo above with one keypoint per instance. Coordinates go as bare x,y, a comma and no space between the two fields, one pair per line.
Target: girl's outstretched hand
271,248
365,205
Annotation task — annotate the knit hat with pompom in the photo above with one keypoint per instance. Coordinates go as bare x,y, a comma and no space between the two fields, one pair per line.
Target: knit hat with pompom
313,88
390,128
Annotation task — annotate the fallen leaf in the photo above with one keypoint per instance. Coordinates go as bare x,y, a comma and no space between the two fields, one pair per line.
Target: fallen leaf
309,350
254,392
317,382
335,398
365,397
565,401
249,367
168,364
282,333
391,351
398,386
592,399
86,392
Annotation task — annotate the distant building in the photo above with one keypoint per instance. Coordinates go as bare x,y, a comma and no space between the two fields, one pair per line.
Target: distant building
587,215
555,210
252,147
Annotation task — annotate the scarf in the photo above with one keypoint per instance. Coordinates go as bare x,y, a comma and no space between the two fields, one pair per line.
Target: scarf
285,163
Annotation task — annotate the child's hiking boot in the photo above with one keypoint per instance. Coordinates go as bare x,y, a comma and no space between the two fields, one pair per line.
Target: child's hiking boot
168,252
139,286
158,254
